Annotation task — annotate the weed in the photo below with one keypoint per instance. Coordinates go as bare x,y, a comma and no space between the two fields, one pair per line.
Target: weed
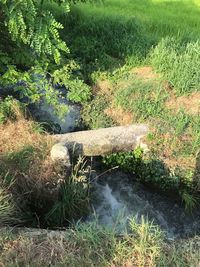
73,198
94,113
190,201
11,109
147,241
9,214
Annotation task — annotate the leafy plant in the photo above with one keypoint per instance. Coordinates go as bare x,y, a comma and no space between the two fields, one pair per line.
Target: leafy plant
31,51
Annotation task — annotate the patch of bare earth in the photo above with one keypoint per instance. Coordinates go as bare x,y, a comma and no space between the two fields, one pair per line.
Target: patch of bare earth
190,103
106,88
119,115
146,73
103,87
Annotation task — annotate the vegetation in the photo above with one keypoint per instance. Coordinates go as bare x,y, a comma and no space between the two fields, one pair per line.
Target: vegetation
92,245
33,57
33,189
143,62
125,62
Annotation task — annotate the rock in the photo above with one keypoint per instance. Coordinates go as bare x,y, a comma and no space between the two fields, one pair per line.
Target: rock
59,153
103,141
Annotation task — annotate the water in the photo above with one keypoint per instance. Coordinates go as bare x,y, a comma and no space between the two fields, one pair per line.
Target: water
46,113
118,197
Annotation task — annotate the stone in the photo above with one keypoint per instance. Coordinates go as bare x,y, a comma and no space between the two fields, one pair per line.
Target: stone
60,153
103,141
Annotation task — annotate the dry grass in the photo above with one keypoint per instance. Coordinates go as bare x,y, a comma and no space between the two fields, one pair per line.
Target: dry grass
120,116
20,139
190,103
27,173
91,245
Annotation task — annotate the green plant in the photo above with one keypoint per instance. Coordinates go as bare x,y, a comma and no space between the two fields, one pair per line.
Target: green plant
73,199
179,63
93,113
127,161
189,200
11,109
34,51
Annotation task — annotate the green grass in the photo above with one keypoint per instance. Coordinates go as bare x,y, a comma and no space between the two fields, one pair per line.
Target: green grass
112,37
92,245
113,33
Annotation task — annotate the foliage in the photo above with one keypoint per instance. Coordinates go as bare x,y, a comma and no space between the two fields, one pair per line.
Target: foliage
32,52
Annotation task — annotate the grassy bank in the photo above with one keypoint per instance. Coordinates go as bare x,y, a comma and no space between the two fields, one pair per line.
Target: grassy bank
92,245
142,60
34,190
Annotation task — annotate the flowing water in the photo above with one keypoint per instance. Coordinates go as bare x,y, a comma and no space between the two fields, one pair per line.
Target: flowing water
118,197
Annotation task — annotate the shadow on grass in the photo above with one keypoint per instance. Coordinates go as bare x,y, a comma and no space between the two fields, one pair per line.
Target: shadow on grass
105,36
196,177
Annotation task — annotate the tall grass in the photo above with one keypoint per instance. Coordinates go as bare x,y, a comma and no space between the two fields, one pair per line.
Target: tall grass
179,63
73,197
9,213
106,35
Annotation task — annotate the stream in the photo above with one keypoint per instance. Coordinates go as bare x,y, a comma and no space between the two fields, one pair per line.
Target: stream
118,196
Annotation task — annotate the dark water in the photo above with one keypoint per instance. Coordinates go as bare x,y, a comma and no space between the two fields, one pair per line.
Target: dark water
118,197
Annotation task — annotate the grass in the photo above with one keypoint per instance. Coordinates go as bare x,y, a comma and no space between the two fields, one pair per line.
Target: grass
149,54
34,190
142,60
105,36
92,245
